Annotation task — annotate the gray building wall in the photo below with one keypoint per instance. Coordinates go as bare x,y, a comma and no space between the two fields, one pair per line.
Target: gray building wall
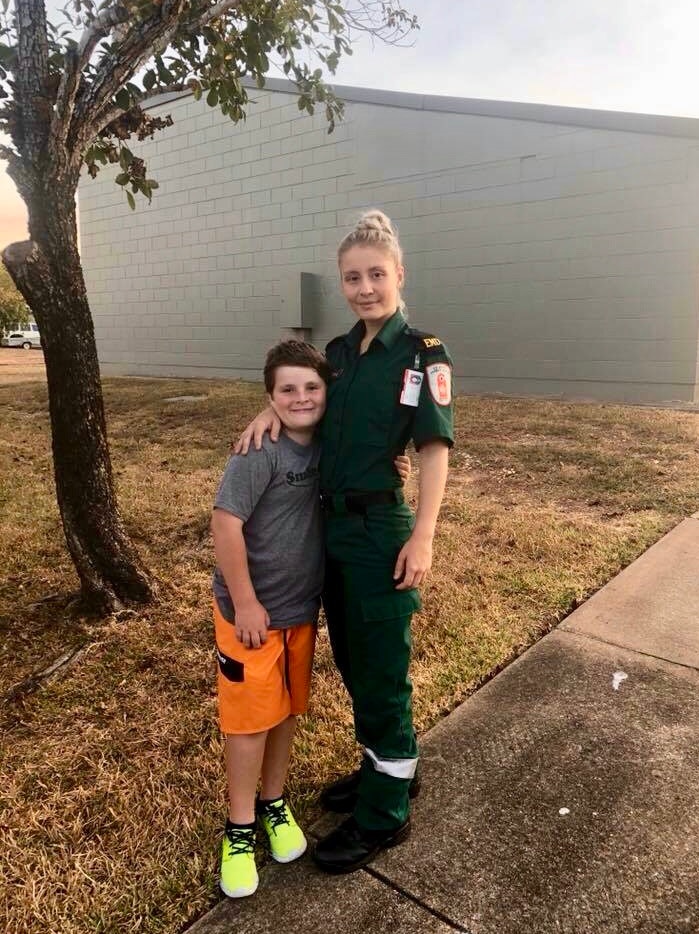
554,250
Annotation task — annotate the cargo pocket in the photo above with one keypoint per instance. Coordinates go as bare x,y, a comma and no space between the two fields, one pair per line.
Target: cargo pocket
231,668
394,605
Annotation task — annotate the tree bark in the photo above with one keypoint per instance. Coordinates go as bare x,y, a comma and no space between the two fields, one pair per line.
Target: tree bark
48,272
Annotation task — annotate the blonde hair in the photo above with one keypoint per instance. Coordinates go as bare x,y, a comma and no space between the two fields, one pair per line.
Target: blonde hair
373,228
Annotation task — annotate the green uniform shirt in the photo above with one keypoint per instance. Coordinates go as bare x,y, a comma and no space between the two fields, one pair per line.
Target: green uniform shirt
365,424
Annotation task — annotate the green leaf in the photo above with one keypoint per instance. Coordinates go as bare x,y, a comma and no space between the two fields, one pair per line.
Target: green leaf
212,97
132,201
123,99
122,178
149,80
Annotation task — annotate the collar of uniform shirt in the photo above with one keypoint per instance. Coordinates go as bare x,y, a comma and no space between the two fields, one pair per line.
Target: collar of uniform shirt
388,334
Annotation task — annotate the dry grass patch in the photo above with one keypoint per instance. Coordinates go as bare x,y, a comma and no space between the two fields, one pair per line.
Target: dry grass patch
111,774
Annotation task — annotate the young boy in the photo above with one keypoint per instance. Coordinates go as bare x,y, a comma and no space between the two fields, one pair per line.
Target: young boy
268,540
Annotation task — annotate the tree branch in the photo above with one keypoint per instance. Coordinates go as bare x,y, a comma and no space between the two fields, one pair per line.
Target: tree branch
76,60
164,89
100,27
216,11
113,71
138,46
110,113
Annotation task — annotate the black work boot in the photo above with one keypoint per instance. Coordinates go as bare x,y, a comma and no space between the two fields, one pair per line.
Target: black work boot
341,796
351,846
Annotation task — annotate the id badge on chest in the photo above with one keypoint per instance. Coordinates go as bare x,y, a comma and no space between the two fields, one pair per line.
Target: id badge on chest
412,383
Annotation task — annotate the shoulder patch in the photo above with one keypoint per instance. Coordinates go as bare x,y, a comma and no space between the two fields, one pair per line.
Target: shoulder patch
423,340
428,345
439,381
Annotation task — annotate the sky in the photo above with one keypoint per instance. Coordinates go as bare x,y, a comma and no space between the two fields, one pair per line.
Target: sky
630,55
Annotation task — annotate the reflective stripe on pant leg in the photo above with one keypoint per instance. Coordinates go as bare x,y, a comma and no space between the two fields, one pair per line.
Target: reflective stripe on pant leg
396,768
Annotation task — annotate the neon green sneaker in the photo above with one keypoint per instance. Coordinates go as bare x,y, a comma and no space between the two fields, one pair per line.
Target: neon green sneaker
238,869
286,839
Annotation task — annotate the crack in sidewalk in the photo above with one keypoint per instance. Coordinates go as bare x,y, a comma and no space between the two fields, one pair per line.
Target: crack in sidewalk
435,912
626,648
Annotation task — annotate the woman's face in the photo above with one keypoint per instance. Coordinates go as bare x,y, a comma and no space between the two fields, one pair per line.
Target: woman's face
371,282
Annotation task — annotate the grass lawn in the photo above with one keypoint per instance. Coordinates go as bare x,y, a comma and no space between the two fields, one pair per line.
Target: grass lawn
110,773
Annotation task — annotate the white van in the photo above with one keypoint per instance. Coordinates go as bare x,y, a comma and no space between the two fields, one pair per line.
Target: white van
27,336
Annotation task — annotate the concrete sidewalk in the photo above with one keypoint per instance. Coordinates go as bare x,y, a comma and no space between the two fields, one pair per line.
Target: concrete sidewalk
562,797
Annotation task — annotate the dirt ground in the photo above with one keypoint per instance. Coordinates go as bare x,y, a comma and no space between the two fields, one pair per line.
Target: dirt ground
18,365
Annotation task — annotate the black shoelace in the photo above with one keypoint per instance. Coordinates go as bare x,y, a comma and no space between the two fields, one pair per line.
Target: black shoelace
275,812
239,841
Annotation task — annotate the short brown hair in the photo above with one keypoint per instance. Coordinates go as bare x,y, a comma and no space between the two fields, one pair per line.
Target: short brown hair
294,353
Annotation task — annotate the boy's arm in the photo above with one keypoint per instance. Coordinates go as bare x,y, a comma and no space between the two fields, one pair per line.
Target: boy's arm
251,618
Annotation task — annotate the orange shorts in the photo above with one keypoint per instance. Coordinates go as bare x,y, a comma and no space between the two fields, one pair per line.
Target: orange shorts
260,688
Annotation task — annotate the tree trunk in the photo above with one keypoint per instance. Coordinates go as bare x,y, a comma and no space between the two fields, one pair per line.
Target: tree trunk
48,272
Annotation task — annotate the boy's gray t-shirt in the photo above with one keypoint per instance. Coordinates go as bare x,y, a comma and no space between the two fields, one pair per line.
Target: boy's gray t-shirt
275,492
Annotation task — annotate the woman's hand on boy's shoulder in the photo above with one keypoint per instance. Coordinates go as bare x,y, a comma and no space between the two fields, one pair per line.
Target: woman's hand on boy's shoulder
267,420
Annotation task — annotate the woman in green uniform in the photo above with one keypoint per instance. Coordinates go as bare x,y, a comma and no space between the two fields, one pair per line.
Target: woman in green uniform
390,384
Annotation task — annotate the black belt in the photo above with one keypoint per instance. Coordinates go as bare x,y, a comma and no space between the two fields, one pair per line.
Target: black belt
359,502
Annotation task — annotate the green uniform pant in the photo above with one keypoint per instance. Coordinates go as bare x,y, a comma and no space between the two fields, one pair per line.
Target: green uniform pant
369,628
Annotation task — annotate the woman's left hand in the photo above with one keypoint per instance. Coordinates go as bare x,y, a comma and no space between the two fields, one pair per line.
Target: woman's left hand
414,561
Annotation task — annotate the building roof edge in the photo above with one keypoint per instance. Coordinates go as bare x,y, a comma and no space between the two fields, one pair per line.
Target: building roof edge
656,124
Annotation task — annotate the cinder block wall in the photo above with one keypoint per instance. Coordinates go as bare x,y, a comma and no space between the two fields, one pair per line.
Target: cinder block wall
553,258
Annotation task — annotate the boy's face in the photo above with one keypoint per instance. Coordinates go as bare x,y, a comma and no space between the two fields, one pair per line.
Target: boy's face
298,397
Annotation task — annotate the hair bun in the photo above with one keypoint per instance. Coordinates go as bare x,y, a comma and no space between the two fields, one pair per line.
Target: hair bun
374,228
378,221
